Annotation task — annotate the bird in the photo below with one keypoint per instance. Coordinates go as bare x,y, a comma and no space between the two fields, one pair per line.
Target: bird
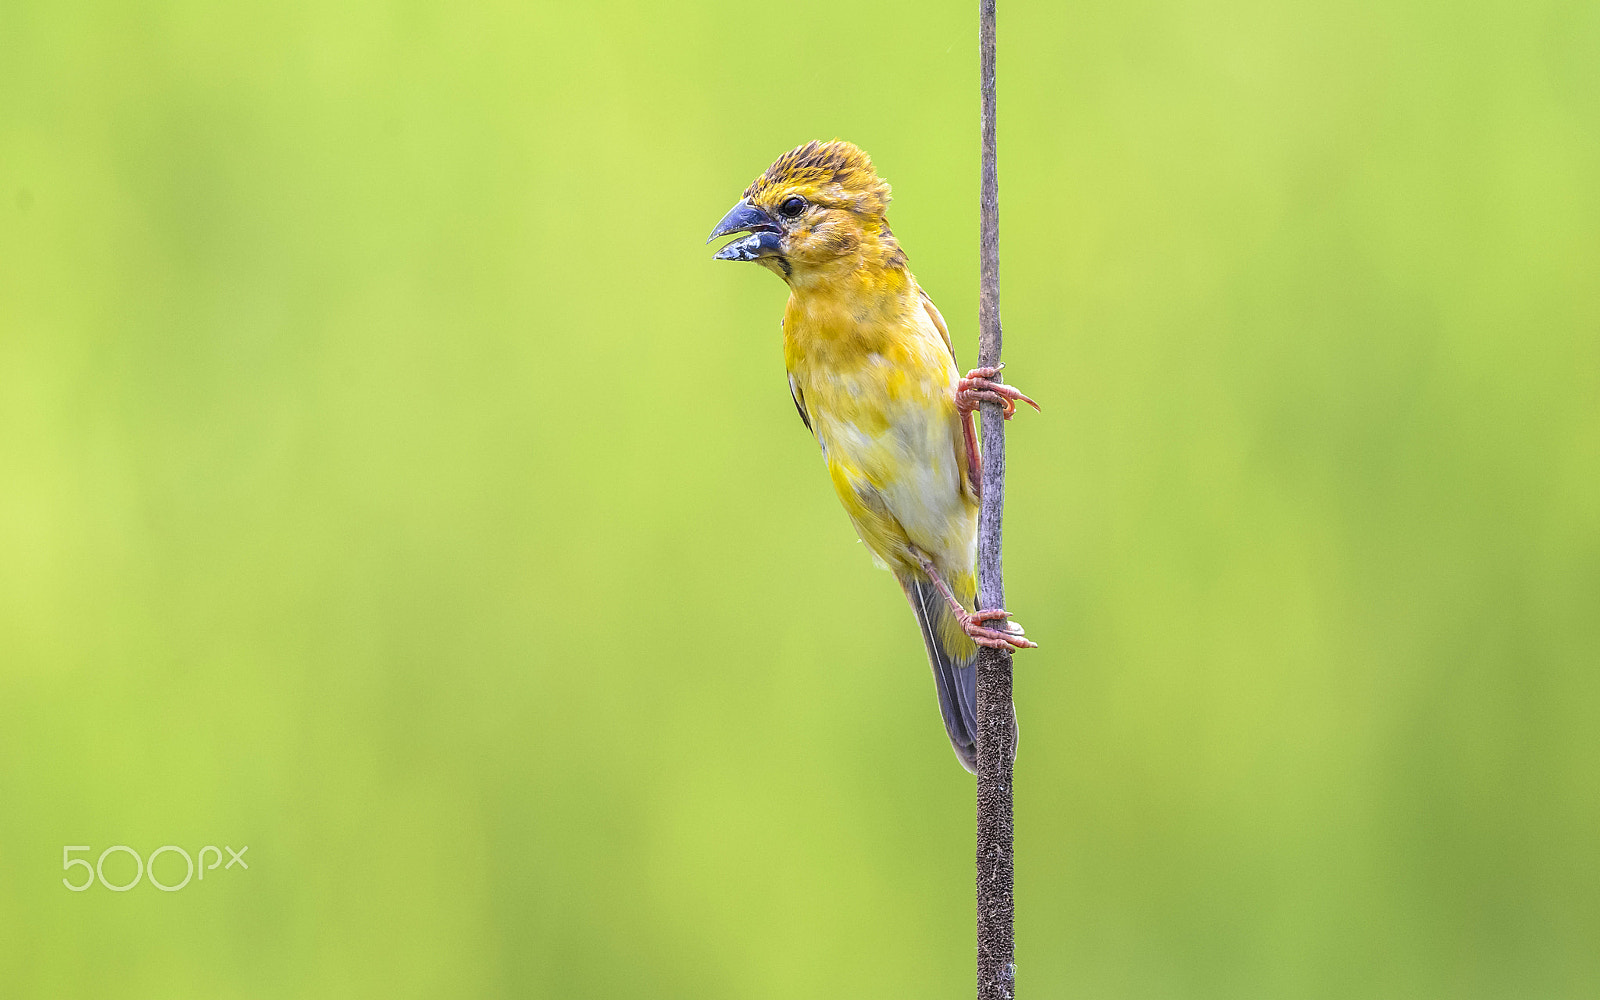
873,373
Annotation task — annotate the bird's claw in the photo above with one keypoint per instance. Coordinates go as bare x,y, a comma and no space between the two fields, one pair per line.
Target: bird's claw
1007,637
979,387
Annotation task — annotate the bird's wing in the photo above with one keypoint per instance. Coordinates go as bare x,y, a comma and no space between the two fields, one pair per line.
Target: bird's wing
938,323
799,401
970,463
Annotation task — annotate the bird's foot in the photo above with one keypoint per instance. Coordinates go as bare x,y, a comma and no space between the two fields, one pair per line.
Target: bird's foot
980,387
1008,636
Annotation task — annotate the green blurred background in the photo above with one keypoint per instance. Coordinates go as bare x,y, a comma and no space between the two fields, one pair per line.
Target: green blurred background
391,483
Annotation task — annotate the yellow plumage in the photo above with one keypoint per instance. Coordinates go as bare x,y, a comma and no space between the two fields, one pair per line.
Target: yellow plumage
874,376
881,400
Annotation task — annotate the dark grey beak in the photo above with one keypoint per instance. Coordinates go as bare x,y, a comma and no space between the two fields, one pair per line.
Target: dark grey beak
763,240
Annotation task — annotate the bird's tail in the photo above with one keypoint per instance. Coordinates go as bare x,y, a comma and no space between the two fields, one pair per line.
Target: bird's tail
953,657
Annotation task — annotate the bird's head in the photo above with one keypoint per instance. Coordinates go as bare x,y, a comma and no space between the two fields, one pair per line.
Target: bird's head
818,207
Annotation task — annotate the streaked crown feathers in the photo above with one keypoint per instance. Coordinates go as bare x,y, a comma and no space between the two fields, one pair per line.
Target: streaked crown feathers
835,173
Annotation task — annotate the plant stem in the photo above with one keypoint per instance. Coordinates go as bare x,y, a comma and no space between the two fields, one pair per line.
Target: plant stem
996,731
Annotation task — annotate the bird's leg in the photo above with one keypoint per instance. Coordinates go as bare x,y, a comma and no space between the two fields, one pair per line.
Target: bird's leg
972,622
980,387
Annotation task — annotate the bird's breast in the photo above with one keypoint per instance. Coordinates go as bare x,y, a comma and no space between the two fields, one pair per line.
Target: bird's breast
882,404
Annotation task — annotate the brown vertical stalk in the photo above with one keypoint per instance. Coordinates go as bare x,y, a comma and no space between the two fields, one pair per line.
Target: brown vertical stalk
996,735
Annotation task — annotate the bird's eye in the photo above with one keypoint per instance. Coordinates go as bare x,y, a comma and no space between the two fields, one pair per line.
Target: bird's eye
792,207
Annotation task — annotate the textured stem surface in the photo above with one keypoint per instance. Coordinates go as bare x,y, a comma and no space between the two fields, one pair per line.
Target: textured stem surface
996,735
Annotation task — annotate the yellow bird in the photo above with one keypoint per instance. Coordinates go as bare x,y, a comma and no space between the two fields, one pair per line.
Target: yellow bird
874,376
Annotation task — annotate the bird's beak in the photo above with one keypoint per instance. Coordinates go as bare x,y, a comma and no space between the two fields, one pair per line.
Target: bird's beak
763,240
